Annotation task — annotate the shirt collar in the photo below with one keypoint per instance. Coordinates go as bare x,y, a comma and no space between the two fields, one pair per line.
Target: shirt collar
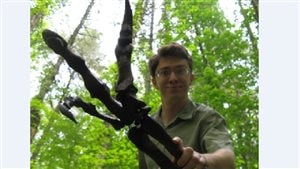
185,114
187,111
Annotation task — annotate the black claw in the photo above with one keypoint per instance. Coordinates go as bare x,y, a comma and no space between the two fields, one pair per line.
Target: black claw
65,111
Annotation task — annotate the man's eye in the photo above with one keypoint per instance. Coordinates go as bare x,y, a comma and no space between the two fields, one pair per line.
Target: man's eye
165,72
180,71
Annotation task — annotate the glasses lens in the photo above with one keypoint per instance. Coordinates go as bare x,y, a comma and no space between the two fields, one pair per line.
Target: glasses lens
181,71
178,71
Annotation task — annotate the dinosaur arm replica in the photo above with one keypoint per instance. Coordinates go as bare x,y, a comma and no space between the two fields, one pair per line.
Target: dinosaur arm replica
128,110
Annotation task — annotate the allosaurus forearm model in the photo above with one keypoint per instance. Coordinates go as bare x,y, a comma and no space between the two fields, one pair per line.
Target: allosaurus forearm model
126,107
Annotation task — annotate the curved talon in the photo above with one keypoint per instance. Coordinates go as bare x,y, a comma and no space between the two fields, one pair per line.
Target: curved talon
64,109
54,41
89,108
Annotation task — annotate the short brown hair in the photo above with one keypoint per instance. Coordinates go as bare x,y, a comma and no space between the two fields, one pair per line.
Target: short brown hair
174,50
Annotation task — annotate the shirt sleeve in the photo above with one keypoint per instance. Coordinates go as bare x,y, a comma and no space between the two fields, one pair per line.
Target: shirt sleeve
217,135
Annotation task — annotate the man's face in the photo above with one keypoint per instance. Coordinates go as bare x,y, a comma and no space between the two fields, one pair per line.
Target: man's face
173,78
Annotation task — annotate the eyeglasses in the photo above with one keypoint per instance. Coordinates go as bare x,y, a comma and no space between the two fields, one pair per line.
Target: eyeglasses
178,71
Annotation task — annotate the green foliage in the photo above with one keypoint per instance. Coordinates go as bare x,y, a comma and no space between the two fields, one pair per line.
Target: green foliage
226,74
122,154
38,11
44,6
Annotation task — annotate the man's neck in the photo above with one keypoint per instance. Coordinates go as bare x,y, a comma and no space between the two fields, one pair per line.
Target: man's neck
170,109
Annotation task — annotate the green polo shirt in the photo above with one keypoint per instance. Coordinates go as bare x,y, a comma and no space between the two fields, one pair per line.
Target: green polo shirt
199,127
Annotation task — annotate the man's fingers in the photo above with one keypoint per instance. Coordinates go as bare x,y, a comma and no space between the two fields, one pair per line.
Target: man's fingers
178,141
185,157
189,159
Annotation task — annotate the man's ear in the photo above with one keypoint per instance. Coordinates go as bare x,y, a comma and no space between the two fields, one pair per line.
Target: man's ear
192,78
154,82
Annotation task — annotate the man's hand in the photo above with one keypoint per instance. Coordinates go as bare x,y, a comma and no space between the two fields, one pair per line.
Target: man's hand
190,159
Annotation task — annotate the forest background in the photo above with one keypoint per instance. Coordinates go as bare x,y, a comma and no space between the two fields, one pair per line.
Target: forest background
225,54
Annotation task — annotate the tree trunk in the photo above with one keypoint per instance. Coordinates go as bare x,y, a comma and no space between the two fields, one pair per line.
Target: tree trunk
34,20
249,30
142,9
255,6
138,17
151,24
151,40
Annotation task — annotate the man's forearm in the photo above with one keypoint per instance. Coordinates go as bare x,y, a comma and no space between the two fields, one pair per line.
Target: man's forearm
221,159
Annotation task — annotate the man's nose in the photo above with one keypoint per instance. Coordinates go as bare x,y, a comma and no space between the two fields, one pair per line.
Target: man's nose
173,76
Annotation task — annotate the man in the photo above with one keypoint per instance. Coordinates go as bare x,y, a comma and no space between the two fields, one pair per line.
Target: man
199,130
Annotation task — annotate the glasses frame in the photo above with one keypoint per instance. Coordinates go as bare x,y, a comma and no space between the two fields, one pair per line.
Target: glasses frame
179,71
